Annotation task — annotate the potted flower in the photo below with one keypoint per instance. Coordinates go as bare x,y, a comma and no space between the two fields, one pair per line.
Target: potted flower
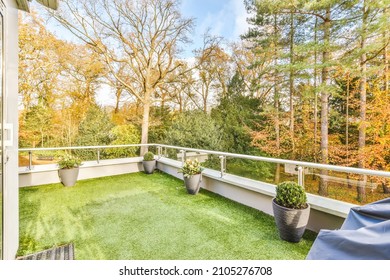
149,163
291,211
68,170
192,173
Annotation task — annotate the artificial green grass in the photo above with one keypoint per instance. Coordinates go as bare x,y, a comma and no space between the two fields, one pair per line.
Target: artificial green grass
139,216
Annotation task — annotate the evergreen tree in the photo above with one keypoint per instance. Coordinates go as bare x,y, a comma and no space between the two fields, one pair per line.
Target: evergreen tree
94,130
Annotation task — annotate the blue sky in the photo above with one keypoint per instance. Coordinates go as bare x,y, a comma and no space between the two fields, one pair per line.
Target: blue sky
226,18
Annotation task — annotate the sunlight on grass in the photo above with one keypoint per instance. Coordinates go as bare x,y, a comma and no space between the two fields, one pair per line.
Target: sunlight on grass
138,216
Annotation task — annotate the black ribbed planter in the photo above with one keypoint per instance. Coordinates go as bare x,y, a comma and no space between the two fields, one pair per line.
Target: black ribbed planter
291,223
193,183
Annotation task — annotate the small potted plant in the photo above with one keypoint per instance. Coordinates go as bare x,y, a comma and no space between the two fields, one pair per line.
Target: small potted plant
192,173
149,163
291,211
68,170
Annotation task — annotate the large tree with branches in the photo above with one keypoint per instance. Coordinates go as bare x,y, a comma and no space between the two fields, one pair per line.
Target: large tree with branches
138,40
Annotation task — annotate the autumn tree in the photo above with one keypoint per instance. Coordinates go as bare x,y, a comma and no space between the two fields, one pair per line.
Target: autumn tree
39,81
58,81
211,75
140,37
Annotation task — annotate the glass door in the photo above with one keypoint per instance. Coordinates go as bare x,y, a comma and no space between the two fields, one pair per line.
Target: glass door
1,127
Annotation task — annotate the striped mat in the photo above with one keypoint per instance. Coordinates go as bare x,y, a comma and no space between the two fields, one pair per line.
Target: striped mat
65,252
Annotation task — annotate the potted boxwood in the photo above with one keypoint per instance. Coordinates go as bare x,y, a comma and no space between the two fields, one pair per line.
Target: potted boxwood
68,170
291,211
149,163
192,173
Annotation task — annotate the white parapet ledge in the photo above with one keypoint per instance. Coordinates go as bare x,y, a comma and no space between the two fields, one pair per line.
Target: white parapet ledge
85,164
323,204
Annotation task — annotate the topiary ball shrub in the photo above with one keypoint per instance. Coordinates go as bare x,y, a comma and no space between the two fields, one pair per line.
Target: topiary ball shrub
291,195
149,156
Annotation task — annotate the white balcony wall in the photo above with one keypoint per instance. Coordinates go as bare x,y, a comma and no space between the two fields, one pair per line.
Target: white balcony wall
48,173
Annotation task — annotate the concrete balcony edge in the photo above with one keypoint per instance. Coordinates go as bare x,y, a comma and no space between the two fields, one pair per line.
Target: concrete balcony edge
48,173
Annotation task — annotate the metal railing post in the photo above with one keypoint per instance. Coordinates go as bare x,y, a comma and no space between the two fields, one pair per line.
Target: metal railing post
29,160
183,157
159,152
301,177
98,156
223,165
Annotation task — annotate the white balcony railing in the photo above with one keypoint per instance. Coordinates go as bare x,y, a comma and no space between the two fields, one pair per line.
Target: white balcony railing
222,155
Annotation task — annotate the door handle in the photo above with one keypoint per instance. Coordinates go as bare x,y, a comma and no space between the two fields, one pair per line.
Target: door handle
9,134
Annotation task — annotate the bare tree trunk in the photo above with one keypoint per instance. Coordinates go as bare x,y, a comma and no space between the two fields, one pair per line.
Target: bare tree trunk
363,104
118,94
277,132
315,93
347,128
347,120
42,144
180,104
291,83
323,188
386,61
276,106
386,56
145,123
205,95
205,105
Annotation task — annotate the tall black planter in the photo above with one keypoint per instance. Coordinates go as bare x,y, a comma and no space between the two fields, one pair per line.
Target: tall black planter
291,223
193,183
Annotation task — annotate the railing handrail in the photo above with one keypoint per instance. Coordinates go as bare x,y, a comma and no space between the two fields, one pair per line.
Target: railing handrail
83,147
337,168
356,170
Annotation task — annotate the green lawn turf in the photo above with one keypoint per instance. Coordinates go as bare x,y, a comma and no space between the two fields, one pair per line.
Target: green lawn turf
139,216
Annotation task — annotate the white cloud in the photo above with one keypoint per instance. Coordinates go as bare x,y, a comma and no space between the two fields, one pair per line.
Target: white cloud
241,25
229,21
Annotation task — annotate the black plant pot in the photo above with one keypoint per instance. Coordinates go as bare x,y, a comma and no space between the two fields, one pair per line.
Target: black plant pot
193,183
291,223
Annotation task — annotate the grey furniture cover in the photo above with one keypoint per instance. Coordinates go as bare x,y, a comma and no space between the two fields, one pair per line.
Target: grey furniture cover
364,235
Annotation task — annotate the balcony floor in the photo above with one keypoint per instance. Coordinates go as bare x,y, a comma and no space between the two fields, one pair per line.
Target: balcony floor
138,216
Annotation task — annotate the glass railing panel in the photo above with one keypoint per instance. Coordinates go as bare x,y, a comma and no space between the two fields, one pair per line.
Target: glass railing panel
252,169
116,152
39,158
348,187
